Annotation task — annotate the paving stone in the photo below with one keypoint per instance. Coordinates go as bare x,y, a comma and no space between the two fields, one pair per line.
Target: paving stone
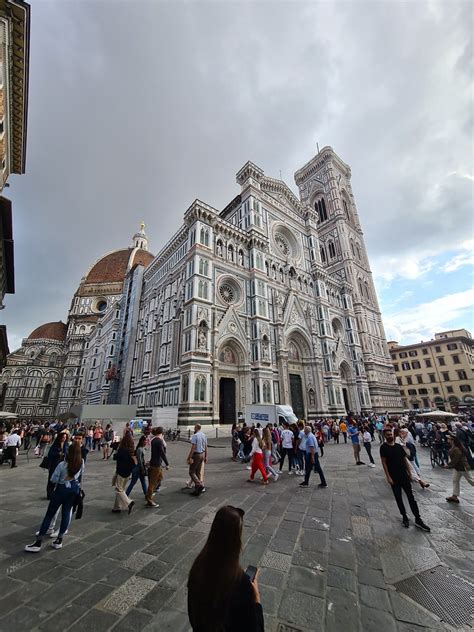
156,599
270,598
168,621
374,620
93,595
370,577
9,585
374,597
306,580
34,569
21,619
118,576
341,578
313,540
64,617
137,561
54,598
271,577
310,559
94,621
301,609
128,595
282,546
277,561
134,621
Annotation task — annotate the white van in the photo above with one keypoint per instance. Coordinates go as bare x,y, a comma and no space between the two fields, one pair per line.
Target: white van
269,414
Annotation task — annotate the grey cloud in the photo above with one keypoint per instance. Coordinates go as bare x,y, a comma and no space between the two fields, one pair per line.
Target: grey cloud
137,108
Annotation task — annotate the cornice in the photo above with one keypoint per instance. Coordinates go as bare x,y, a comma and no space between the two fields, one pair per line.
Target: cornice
317,162
18,14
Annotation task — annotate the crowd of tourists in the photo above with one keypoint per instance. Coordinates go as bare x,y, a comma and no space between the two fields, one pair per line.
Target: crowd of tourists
266,452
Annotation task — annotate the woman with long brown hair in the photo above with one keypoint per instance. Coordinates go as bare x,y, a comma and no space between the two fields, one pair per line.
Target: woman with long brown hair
221,597
267,453
66,477
257,457
126,461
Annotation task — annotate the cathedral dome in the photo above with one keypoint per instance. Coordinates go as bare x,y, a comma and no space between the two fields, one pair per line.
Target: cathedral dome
113,267
49,331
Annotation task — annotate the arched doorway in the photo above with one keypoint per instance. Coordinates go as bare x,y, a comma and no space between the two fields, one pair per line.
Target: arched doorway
346,387
229,382
298,356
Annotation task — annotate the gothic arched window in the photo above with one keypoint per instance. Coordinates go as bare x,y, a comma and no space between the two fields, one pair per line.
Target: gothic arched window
267,397
323,254
332,250
320,208
185,388
46,394
200,389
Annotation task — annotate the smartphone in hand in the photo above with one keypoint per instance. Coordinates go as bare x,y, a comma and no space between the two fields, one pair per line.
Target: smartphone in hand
251,571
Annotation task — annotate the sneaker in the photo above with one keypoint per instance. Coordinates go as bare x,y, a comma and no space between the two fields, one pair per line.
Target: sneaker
33,548
322,485
290,473
202,490
248,468
57,544
49,532
155,505
280,471
360,463
371,464
276,477
130,507
421,525
303,484
405,522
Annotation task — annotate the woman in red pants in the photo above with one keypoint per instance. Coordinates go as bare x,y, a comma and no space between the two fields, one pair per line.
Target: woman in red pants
257,457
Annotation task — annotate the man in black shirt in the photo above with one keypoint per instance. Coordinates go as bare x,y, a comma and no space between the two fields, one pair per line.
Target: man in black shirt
397,471
158,457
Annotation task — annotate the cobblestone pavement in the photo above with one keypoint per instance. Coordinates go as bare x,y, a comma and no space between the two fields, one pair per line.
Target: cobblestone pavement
330,559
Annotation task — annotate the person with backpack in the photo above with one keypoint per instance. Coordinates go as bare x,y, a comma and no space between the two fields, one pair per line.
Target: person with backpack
66,477
107,441
139,471
458,462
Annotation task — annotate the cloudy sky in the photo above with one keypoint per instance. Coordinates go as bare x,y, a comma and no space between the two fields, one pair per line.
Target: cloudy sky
137,108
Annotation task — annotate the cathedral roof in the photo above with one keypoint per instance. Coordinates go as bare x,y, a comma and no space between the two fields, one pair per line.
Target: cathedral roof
112,267
49,331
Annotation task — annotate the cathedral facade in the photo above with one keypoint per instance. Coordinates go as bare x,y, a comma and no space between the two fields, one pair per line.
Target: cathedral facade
270,300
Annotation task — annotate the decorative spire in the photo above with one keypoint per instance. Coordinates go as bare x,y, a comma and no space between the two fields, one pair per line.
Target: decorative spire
140,239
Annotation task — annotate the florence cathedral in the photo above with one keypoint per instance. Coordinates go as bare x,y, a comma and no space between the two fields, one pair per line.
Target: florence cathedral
270,300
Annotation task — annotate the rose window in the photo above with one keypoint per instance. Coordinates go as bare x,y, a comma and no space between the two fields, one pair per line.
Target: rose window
282,244
227,293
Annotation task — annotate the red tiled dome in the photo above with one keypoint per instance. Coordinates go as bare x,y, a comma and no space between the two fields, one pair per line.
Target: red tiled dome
50,331
112,268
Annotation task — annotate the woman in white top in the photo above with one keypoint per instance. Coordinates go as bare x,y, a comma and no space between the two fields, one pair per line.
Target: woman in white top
257,457
287,447
67,477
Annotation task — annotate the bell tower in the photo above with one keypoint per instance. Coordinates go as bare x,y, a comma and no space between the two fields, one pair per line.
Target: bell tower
325,185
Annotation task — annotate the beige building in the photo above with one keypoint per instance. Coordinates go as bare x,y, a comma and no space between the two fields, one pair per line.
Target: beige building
438,373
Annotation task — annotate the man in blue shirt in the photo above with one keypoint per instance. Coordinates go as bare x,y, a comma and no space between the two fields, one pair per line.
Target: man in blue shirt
353,431
197,456
312,459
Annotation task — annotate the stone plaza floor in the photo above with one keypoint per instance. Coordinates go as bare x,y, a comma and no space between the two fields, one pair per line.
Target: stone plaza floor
334,559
